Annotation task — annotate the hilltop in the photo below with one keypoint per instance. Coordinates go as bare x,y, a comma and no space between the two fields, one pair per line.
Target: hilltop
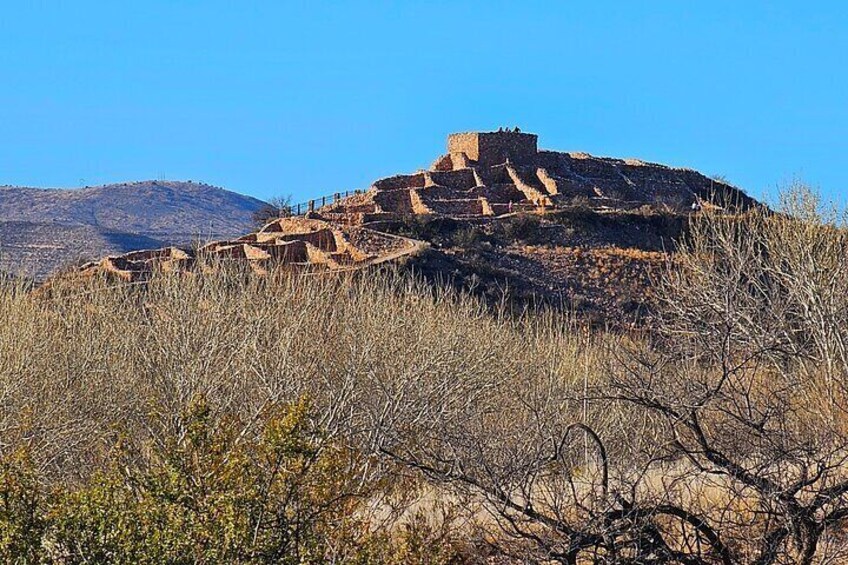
494,215
508,220
42,230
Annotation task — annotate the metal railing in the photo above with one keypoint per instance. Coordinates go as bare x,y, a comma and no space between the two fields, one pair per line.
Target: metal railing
303,208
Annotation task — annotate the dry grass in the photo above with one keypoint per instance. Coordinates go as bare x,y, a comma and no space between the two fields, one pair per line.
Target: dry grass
386,362
75,370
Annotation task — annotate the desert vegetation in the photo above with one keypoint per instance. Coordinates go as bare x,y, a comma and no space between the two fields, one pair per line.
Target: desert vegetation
224,417
275,208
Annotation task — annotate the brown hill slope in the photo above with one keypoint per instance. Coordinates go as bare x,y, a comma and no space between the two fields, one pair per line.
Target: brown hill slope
44,229
598,263
36,250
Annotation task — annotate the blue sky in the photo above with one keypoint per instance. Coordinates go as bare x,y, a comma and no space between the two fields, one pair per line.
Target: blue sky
309,98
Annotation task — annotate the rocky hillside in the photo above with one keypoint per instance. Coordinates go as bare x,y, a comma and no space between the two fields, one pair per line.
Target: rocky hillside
600,264
509,221
42,230
495,215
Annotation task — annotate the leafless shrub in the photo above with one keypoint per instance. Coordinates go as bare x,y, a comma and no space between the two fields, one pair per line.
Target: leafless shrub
748,382
721,441
277,207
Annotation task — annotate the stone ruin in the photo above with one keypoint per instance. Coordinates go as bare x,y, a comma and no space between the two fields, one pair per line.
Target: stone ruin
296,243
483,175
497,173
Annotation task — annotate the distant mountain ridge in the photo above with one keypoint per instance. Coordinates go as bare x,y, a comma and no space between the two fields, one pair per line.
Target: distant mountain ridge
43,229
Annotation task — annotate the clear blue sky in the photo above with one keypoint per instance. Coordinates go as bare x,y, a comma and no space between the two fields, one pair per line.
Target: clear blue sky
308,98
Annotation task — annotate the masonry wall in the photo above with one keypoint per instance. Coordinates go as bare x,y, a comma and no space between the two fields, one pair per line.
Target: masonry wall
464,143
493,148
401,181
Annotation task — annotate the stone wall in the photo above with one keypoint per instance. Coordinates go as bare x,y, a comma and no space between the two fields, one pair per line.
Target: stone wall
494,148
462,179
401,181
464,143
398,201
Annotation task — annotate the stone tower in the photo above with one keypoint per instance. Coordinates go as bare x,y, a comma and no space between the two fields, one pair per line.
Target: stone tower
493,148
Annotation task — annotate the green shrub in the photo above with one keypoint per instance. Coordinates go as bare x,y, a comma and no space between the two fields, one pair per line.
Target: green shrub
521,228
468,238
21,524
213,495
